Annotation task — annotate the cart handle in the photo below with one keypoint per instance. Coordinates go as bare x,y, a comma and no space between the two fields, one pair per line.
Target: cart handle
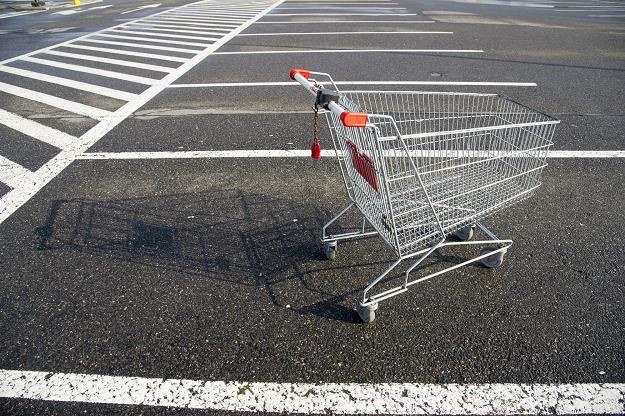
348,118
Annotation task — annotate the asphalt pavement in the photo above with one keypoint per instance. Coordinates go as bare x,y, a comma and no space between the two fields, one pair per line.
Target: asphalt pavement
172,262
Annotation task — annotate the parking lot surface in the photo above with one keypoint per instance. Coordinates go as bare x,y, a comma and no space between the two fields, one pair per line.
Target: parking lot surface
160,216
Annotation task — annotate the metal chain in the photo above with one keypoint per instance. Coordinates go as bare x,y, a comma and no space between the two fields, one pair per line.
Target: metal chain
316,124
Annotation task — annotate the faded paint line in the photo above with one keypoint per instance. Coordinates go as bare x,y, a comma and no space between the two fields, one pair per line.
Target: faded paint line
308,398
371,83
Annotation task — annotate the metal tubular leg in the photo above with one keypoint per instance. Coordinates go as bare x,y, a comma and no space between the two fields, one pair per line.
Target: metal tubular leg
344,236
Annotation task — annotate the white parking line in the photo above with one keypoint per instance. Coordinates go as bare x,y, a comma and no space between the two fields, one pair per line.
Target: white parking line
352,51
391,22
53,101
243,154
140,46
95,89
309,398
200,46
347,33
341,14
131,64
124,52
372,83
92,70
13,174
164,35
38,131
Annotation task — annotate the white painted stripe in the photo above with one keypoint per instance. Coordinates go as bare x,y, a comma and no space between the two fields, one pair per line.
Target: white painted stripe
160,29
12,174
341,14
129,53
154,40
360,8
238,14
57,102
163,35
353,51
227,154
194,17
95,89
141,46
346,33
392,22
36,130
94,71
13,200
120,62
18,14
189,23
606,15
370,83
316,398
164,26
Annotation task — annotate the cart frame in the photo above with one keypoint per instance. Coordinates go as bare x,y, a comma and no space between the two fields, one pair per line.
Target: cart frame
494,248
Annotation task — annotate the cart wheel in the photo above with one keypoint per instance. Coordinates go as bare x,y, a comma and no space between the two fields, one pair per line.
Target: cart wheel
465,234
493,261
329,249
366,312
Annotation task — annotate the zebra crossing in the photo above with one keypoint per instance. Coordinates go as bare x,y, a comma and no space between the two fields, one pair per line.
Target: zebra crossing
129,63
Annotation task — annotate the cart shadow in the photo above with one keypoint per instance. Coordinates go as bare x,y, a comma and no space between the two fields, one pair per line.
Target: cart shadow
225,235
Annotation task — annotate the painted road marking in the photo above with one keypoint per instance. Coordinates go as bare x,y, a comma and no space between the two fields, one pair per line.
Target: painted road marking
82,109
391,22
141,8
341,14
95,89
153,25
353,51
346,33
96,71
160,29
371,83
18,14
308,398
12,174
38,131
200,46
243,154
189,23
164,35
74,11
70,145
120,62
124,52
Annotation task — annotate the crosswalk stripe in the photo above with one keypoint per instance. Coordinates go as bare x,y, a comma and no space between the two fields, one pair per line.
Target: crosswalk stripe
53,101
120,62
91,70
11,173
164,35
143,39
95,89
225,14
169,29
36,130
193,17
189,23
142,46
125,52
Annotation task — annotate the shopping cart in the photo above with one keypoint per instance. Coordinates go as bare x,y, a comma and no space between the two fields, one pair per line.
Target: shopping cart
421,166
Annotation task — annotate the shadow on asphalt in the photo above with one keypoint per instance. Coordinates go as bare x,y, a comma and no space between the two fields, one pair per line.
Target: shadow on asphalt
240,238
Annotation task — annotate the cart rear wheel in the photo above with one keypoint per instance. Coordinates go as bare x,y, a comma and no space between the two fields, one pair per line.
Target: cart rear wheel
329,249
366,312
493,261
465,234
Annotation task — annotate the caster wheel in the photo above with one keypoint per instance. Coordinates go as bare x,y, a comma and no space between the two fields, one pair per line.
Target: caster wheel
366,312
465,234
493,261
329,249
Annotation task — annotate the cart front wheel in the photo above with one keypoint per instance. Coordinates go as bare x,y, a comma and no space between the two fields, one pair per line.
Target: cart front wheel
366,312
465,234
329,249
494,260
